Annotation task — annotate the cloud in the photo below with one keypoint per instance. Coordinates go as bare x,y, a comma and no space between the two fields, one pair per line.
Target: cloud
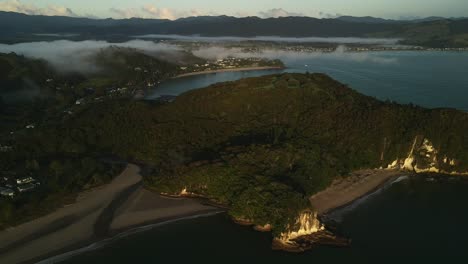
339,40
162,13
31,9
328,15
60,53
292,57
278,12
152,11
126,12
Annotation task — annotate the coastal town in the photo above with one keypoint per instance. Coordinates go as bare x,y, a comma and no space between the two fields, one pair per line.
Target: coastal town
230,63
13,185
253,48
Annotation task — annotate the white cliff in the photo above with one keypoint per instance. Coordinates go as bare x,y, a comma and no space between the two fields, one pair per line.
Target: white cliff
426,152
306,224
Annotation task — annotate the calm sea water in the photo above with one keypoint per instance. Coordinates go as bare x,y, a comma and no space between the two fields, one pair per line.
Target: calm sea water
413,221
430,79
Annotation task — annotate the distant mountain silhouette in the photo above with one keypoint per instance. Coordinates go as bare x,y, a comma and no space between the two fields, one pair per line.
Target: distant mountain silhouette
432,31
367,19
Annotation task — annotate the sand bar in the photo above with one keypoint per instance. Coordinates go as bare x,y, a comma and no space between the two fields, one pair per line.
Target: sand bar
97,214
230,70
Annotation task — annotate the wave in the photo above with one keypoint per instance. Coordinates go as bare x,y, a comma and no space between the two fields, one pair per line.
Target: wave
339,213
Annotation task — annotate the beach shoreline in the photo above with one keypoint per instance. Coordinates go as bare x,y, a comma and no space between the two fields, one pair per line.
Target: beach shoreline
97,215
229,70
95,244
346,190
124,207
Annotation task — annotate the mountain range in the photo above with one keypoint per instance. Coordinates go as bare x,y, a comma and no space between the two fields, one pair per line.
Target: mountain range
430,32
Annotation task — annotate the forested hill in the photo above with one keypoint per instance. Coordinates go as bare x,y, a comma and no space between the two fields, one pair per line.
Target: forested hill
434,32
263,145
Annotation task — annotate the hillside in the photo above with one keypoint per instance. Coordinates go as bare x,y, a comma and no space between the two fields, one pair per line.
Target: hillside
263,145
431,32
105,68
19,72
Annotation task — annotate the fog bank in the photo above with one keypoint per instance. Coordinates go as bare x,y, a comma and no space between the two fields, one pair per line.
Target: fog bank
76,56
218,52
381,41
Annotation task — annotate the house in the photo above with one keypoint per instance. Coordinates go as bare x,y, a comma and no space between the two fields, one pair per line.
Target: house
24,180
7,192
30,126
79,101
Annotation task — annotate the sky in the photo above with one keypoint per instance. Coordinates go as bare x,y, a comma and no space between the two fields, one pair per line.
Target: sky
173,9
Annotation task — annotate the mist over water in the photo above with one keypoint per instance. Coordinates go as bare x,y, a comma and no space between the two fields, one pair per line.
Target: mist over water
403,77
382,41
75,56
219,52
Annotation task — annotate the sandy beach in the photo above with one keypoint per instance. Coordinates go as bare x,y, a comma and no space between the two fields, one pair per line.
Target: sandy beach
229,70
96,215
346,190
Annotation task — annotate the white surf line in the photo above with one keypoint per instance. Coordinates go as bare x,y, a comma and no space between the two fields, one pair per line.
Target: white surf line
102,243
338,214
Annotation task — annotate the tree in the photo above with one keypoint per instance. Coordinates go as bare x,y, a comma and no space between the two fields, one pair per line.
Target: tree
2,104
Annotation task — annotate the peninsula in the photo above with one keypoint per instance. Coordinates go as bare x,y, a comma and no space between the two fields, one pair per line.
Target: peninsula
277,151
264,68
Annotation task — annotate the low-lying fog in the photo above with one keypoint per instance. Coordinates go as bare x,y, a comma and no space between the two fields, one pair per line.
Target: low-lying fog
68,55
75,56
381,41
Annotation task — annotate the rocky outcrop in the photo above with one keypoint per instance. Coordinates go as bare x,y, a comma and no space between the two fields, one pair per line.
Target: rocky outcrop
307,233
264,228
423,157
243,221
307,223
308,242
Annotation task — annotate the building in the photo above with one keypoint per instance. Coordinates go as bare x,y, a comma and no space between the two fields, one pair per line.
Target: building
7,192
24,180
30,126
